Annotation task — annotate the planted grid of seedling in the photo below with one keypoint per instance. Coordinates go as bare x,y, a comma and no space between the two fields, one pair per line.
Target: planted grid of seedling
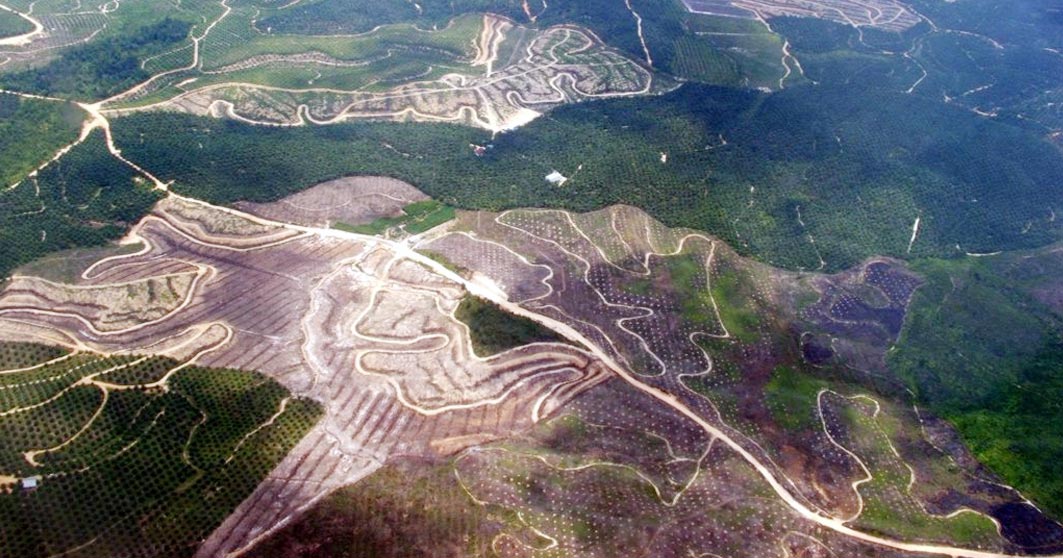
124,465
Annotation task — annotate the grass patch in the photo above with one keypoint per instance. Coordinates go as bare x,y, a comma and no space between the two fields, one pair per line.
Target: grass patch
735,304
446,262
711,300
417,218
494,330
791,398
966,529
641,286
687,276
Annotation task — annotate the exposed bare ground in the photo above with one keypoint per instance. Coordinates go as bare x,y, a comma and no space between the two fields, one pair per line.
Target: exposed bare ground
889,15
354,200
351,323
610,275
558,65
366,326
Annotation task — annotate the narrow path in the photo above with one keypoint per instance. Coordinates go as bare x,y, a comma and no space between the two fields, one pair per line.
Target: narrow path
915,233
484,289
638,28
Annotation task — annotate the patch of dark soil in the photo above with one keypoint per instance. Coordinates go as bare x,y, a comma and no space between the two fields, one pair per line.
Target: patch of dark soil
1024,525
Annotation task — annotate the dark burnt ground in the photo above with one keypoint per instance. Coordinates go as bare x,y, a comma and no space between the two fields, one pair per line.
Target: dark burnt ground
749,347
1029,528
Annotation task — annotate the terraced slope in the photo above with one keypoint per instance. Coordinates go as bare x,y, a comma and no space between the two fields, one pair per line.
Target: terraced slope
406,382
481,71
366,327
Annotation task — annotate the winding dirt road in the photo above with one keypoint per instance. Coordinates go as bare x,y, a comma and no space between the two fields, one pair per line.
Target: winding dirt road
485,289
25,38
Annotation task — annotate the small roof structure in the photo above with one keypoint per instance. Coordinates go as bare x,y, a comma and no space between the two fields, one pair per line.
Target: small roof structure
556,178
30,483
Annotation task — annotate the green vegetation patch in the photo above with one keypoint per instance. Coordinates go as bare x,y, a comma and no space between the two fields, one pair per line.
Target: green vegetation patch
890,507
846,165
982,349
416,218
86,198
446,262
729,51
102,67
966,529
978,55
791,398
494,330
23,355
11,25
31,132
735,302
332,17
687,275
132,467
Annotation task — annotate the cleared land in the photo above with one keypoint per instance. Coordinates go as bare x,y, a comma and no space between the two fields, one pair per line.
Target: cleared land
367,327
354,323
887,15
354,200
688,317
757,393
481,71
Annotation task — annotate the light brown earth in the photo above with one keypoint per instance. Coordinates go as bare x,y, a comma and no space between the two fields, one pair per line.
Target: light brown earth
366,326
541,69
352,324
888,15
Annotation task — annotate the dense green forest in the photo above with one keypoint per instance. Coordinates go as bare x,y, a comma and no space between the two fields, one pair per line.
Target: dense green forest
983,347
494,330
852,166
87,198
31,132
998,59
100,68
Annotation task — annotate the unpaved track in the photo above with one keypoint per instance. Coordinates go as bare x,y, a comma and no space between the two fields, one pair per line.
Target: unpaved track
485,290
